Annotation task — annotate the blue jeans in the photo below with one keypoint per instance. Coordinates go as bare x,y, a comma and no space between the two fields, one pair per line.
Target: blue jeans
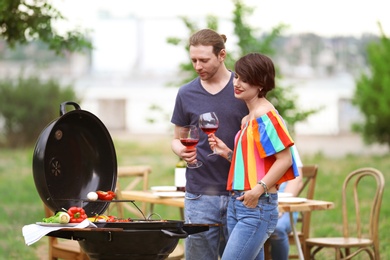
249,228
205,209
279,239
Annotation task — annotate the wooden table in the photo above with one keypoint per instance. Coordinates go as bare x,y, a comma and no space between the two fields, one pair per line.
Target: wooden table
309,205
152,198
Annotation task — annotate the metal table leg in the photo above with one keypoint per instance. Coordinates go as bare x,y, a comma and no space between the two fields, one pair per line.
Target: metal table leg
296,238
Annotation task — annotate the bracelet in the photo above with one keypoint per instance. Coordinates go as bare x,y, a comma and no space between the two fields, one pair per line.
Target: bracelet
262,183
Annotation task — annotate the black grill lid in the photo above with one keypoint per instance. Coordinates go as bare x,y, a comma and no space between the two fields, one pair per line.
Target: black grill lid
73,156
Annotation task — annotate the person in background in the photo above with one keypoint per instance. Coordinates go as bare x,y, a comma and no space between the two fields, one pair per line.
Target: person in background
279,243
212,91
262,159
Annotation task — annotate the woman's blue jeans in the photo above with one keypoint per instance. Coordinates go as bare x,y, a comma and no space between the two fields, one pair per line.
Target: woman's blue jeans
249,228
279,239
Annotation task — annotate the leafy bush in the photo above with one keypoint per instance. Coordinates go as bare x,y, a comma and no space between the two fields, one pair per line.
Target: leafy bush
27,106
372,94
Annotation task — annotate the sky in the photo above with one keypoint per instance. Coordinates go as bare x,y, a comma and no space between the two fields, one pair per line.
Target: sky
327,18
134,36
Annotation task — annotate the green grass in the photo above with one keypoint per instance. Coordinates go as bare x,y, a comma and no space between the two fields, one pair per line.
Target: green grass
21,205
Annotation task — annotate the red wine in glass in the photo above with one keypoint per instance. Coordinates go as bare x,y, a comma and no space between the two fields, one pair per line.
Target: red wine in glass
189,137
209,130
188,142
209,124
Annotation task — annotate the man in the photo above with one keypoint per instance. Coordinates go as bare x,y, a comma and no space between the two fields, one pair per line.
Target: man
212,91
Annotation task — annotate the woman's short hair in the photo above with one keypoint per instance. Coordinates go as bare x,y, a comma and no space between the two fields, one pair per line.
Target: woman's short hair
257,69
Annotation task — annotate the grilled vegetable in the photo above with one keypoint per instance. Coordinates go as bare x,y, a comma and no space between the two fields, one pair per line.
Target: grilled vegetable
76,214
115,219
105,195
92,195
61,217
98,218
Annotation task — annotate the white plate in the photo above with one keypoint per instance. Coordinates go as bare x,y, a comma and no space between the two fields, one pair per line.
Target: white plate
284,195
57,224
173,194
163,188
292,200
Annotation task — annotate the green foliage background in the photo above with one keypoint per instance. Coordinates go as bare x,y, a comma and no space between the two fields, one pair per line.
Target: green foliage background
27,106
24,20
372,94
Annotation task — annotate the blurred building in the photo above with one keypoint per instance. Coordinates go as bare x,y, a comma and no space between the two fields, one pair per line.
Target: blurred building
124,79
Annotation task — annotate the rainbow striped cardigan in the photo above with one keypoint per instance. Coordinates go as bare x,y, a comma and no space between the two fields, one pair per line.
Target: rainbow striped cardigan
255,146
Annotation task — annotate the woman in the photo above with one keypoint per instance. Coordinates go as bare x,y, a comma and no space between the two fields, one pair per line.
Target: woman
262,159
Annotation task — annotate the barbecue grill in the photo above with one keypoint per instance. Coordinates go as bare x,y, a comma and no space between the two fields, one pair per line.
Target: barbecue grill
74,155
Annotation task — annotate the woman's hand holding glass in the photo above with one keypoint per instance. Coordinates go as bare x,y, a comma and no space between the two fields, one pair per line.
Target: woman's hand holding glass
209,124
217,144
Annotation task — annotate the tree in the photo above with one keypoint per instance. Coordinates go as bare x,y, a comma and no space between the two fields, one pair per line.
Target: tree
22,114
24,20
282,96
27,106
372,93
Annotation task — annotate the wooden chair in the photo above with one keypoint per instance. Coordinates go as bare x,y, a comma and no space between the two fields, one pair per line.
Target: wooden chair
138,175
63,248
309,175
362,193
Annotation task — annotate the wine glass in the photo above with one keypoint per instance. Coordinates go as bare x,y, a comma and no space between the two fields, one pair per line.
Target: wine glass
209,123
189,137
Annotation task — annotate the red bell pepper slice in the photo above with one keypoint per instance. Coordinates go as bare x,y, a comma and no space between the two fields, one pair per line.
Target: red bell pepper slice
76,214
105,195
